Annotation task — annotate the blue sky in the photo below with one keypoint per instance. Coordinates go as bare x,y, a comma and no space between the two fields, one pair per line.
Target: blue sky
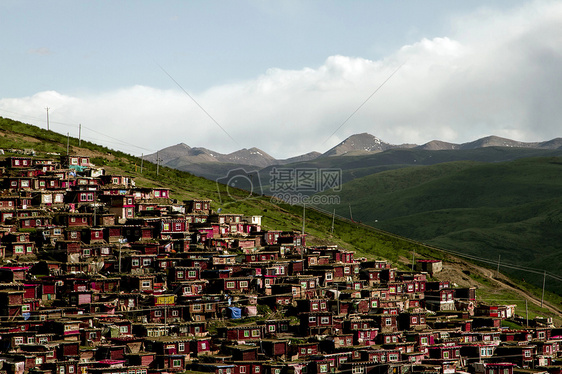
282,75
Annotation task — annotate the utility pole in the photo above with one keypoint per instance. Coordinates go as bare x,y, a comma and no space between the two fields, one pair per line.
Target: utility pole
79,135
47,108
142,160
302,232
350,215
543,284
157,163
67,143
413,259
333,219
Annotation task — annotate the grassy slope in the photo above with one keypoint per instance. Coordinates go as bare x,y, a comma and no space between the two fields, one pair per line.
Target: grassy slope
366,241
509,209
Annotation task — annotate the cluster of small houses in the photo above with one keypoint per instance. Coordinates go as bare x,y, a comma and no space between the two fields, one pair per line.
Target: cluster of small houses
100,276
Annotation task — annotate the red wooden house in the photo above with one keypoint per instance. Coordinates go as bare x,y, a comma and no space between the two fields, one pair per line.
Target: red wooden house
241,333
316,323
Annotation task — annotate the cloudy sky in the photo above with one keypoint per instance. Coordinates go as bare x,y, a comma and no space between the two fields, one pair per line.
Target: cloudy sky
288,77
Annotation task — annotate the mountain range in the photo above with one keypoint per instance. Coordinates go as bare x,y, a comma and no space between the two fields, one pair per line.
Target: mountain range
212,165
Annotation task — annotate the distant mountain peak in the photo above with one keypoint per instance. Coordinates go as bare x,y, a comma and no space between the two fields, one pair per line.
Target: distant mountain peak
359,144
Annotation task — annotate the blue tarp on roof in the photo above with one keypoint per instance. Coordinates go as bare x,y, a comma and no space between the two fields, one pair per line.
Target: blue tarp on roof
234,312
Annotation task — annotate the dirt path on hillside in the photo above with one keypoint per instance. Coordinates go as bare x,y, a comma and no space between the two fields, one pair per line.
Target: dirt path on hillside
452,270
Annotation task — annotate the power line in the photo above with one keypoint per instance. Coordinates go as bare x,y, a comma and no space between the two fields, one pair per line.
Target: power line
364,102
78,126
196,103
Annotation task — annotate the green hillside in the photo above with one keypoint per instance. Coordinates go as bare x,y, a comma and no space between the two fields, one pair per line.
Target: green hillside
509,209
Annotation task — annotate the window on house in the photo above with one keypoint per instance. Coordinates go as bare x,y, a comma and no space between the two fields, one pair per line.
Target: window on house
255,333
230,284
243,284
325,320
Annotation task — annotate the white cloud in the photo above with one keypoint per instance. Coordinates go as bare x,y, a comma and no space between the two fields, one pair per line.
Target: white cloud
498,73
